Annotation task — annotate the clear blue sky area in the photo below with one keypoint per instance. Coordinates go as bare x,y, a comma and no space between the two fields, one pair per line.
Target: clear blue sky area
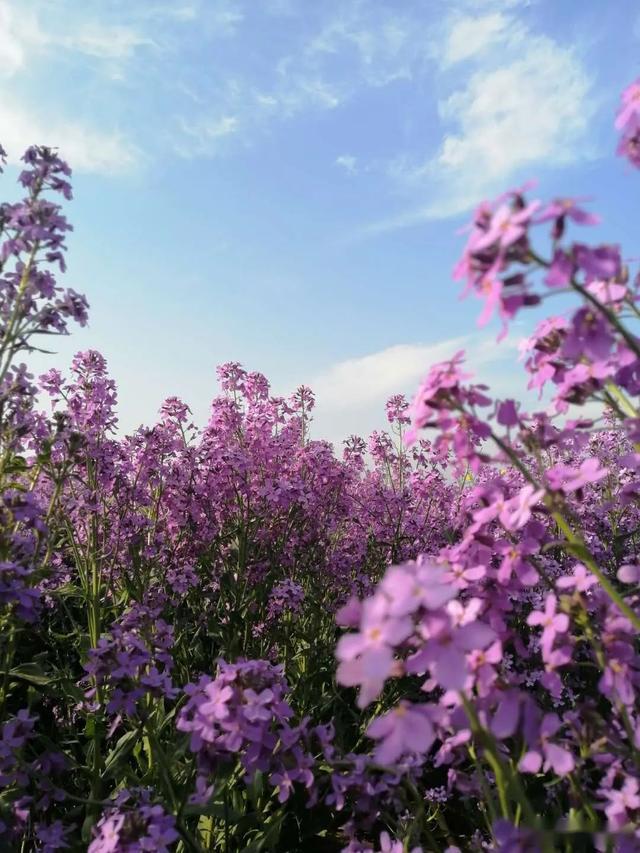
280,182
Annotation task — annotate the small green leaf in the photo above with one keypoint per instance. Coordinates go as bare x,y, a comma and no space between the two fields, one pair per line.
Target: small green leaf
32,673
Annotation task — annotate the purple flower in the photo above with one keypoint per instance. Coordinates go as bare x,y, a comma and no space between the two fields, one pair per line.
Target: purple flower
629,114
603,262
414,585
581,580
505,227
623,804
142,826
512,839
564,478
618,680
404,730
629,147
552,623
379,628
548,755
561,269
52,837
567,207
589,335
517,510
444,651
257,704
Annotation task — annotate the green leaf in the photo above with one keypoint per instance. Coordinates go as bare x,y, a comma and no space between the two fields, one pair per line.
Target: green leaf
122,748
32,673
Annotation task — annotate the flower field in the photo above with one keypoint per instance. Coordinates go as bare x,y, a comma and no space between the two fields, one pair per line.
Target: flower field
236,638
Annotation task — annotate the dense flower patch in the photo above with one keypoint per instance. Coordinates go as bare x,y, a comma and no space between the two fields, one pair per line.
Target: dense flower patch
231,639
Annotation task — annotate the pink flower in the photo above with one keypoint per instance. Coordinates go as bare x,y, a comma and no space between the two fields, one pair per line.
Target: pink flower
506,227
482,665
388,845
349,615
590,471
404,730
488,513
629,114
621,803
366,657
553,623
566,479
444,652
369,671
629,573
607,292
412,586
378,629
517,511
548,756
567,207
581,579
514,560
489,289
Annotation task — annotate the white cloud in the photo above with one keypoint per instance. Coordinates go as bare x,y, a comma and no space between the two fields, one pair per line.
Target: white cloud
362,45
352,393
102,41
25,42
19,33
517,114
225,17
374,377
513,116
348,162
471,36
204,135
86,149
526,104
384,45
23,34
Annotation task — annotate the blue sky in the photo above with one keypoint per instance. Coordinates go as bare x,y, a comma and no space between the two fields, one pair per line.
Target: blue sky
280,182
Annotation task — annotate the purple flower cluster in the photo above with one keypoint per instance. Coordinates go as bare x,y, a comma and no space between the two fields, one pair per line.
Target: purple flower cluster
243,713
133,824
286,597
133,663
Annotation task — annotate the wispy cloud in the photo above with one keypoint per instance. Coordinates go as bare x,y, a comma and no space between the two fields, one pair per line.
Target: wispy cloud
525,104
102,41
383,43
351,394
30,32
203,134
348,162
87,149
27,44
372,378
327,60
512,116
19,33
468,36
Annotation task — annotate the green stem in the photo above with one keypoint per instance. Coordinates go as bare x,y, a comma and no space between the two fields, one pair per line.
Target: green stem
578,547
